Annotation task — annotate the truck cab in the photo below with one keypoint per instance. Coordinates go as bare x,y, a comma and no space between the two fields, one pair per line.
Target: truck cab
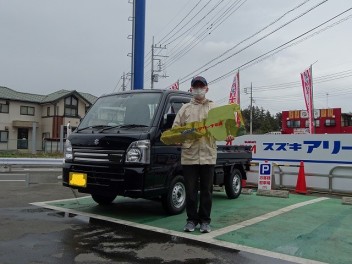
116,151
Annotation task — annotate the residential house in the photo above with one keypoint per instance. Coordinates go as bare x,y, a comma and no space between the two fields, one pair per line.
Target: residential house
21,114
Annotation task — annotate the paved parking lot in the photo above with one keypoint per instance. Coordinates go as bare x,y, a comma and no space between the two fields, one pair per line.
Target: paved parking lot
302,229
32,234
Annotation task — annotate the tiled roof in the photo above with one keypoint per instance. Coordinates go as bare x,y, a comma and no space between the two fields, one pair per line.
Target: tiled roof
9,94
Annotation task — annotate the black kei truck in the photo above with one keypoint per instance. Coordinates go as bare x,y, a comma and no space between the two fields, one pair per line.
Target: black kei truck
116,150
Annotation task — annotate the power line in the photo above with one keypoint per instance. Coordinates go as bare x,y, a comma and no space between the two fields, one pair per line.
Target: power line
277,48
248,38
322,79
186,24
317,80
223,17
197,23
258,40
191,10
147,57
192,43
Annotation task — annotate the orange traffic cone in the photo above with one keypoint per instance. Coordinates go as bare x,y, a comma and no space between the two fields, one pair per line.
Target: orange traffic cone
301,180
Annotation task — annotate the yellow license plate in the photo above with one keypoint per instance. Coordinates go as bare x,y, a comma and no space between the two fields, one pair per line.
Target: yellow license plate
78,179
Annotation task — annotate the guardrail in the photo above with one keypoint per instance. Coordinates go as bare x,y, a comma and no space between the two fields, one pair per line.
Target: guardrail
6,165
31,161
331,176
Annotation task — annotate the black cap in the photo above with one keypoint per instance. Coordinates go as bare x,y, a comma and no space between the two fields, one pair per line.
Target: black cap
199,79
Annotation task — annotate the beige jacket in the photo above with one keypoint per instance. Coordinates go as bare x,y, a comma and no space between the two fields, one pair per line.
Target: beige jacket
201,151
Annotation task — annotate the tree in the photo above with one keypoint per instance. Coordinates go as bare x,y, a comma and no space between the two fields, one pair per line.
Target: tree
263,122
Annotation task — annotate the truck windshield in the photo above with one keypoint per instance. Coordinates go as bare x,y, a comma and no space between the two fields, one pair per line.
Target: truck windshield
122,110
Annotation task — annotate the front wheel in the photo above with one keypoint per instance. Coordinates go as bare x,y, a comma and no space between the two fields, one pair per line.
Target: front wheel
103,199
174,201
233,185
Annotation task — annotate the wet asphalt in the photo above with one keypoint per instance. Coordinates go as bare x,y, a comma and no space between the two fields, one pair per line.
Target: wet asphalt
30,234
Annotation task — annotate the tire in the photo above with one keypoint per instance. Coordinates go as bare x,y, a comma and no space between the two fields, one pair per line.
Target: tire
174,202
233,184
102,199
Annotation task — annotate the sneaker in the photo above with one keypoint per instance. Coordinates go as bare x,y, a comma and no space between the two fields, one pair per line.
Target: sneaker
205,228
189,227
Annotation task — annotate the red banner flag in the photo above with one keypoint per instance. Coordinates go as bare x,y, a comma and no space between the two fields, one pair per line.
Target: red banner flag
307,85
234,97
175,86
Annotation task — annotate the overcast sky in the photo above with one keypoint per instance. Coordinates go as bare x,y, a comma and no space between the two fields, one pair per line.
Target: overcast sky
48,45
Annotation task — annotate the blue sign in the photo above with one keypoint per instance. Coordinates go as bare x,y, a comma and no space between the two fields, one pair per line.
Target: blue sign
265,169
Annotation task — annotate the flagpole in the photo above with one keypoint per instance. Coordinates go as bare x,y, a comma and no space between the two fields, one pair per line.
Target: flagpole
251,113
238,88
311,73
313,120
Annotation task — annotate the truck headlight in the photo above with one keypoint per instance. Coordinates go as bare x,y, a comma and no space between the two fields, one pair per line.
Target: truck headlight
138,152
68,150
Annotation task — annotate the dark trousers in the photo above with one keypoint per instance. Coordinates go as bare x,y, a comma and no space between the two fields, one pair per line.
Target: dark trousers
203,174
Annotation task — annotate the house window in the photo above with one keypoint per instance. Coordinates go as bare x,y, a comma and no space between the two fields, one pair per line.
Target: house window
71,106
4,136
4,108
27,110
48,111
293,123
316,123
330,122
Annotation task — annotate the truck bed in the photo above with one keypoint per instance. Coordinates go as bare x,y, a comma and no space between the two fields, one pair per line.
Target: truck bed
232,154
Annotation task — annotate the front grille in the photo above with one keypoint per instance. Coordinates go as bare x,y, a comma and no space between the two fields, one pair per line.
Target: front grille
101,156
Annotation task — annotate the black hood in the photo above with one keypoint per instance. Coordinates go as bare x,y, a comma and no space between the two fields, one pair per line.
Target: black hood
105,141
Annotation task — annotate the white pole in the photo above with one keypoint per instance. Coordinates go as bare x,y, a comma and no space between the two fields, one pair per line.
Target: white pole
34,137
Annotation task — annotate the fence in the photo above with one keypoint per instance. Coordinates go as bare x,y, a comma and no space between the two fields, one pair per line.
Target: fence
332,176
6,165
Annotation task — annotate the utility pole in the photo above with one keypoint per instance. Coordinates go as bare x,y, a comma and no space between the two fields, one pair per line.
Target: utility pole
123,82
154,72
251,113
251,110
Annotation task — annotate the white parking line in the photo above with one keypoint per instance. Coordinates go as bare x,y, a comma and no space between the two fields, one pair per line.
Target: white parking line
12,180
205,238
261,218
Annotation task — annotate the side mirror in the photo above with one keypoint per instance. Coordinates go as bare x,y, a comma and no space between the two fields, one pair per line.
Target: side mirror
168,122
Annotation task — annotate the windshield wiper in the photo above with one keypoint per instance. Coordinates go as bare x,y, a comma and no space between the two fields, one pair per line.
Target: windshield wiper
108,127
132,126
120,126
90,127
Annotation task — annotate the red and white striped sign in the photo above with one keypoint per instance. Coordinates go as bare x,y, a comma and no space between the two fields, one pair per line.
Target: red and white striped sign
307,85
175,86
234,97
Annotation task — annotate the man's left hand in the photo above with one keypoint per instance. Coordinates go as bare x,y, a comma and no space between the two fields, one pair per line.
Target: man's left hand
229,138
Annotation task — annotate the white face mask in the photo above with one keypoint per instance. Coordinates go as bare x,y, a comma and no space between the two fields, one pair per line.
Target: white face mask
199,93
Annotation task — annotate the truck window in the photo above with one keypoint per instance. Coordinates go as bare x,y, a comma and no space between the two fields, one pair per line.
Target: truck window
123,109
175,105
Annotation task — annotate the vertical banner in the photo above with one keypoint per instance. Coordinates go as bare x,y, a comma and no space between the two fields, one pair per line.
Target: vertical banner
234,97
307,85
175,86
264,177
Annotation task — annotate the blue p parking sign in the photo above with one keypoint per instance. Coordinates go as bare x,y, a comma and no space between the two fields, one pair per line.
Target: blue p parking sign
264,177
265,169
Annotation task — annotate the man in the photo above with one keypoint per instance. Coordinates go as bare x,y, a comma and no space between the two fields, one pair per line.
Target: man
198,159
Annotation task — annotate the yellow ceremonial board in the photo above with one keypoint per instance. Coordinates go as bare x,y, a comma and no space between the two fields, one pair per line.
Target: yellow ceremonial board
221,122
